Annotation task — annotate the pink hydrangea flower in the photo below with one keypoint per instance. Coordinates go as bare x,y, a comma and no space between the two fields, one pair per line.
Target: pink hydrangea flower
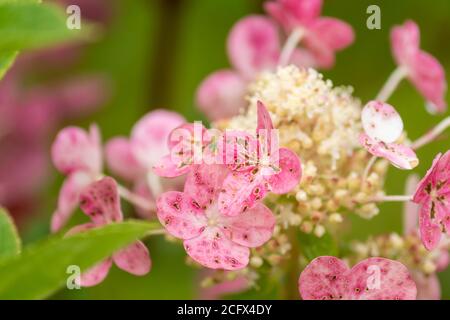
329,278
266,167
433,194
101,202
253,46
382,127
77,154
212,239
322,36
133,158
423,70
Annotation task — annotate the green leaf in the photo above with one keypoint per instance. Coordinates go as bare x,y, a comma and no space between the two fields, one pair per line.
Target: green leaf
312,246
6,60
27,24
42,268
9,238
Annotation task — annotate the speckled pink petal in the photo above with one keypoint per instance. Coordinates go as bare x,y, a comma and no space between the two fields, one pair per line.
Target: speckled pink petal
290,175
68,198
213,250
333,33
96,274
423,188
149,136
253,45
181,215
204,183
395,281
237,149
101,202
405,41
381,121
75,149
166,168
428,76
430,231
121,160
323,279
294,13
251,228
399,155
134,259
221,95
428,287
240,191
371,279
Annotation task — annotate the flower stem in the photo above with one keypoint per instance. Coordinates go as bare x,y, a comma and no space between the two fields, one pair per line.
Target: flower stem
398,198
291,43
135,199
432,134
155,232
368,167
391,84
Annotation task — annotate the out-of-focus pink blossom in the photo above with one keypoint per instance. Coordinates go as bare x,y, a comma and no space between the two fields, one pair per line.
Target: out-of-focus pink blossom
433,194
322,36
423,70
77,154
329,278
219,290
211,238
101,202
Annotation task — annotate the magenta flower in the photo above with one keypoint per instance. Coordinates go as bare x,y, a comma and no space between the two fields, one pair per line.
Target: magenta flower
101,202
329,278
383,126
433,194
322,36
421,68
133,159
211,238
263,168
77,154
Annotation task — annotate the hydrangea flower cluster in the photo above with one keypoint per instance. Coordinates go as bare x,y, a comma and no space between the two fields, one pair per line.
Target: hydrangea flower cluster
287,156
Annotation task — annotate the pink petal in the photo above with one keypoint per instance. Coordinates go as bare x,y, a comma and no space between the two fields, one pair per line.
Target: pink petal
68,198
141,189
405,41
149,136
381,121
181,215
96,274
133,259
411,210
428,76
204,182
75,149
213,250
101,202
399,155
217,291
168,169
333,33
121,160
443,260
428,287
395,282
264,119
371,279
304,58
221,95
240,191
253,45
291,172
323,279
237,149
267,135
422,192
294,13
251,228
430,231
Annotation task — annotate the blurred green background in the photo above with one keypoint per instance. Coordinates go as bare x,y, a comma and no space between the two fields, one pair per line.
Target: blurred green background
156,52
